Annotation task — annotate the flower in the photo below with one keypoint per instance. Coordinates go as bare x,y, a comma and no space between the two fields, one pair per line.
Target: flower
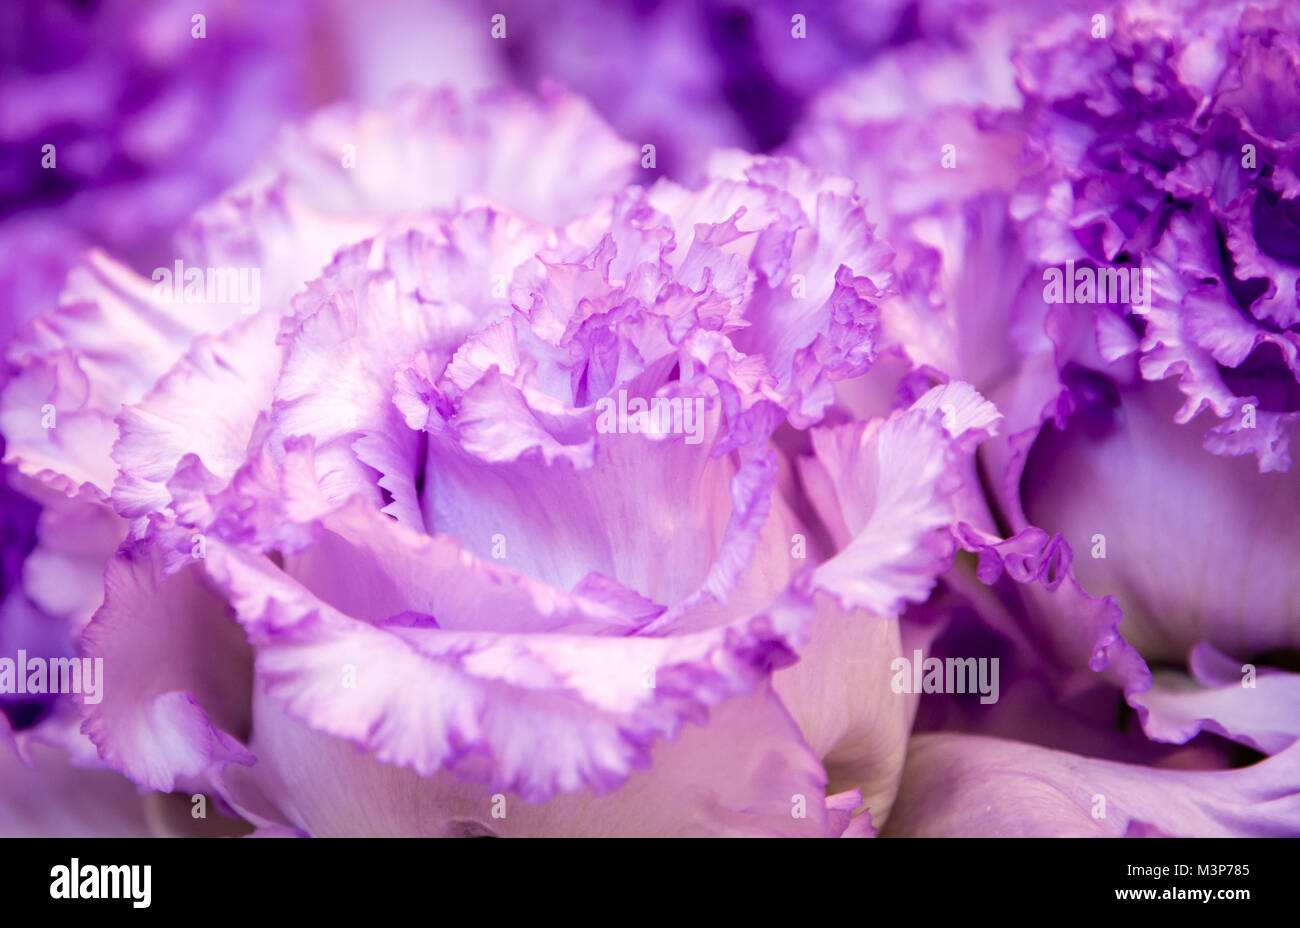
122,110
463,470
402,487
690,78
1170,161
1097,485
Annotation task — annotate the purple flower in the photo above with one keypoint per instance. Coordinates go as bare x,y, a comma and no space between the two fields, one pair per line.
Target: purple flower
1096,483
119,119
1167,149
497,502
1178,177
471,467
689,77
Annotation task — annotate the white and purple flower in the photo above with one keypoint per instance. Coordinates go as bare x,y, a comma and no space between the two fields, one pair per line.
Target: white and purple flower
538,493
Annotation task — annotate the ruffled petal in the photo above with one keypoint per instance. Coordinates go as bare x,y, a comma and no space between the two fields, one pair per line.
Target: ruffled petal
104,347
818,269
888,487
1065,628
206,406
1256,706
377,307
176,674
350,173
430,696
766,784
64,573
1244,372
547,157
966,786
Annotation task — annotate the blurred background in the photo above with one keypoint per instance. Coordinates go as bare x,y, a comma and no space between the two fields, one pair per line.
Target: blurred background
149,120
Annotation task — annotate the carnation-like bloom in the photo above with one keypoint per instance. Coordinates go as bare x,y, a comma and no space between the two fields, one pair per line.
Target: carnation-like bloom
1190,183
455,473
73,370
1178,158
1097,474
495,502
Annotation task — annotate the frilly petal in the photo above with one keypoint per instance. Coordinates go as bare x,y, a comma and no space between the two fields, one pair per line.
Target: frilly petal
206,406
766,784
176,675
377,307
350,173
105,346
64,573
1243,372
818,268
1073,630
1262,710
431,697
967,786
547,157
889,487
